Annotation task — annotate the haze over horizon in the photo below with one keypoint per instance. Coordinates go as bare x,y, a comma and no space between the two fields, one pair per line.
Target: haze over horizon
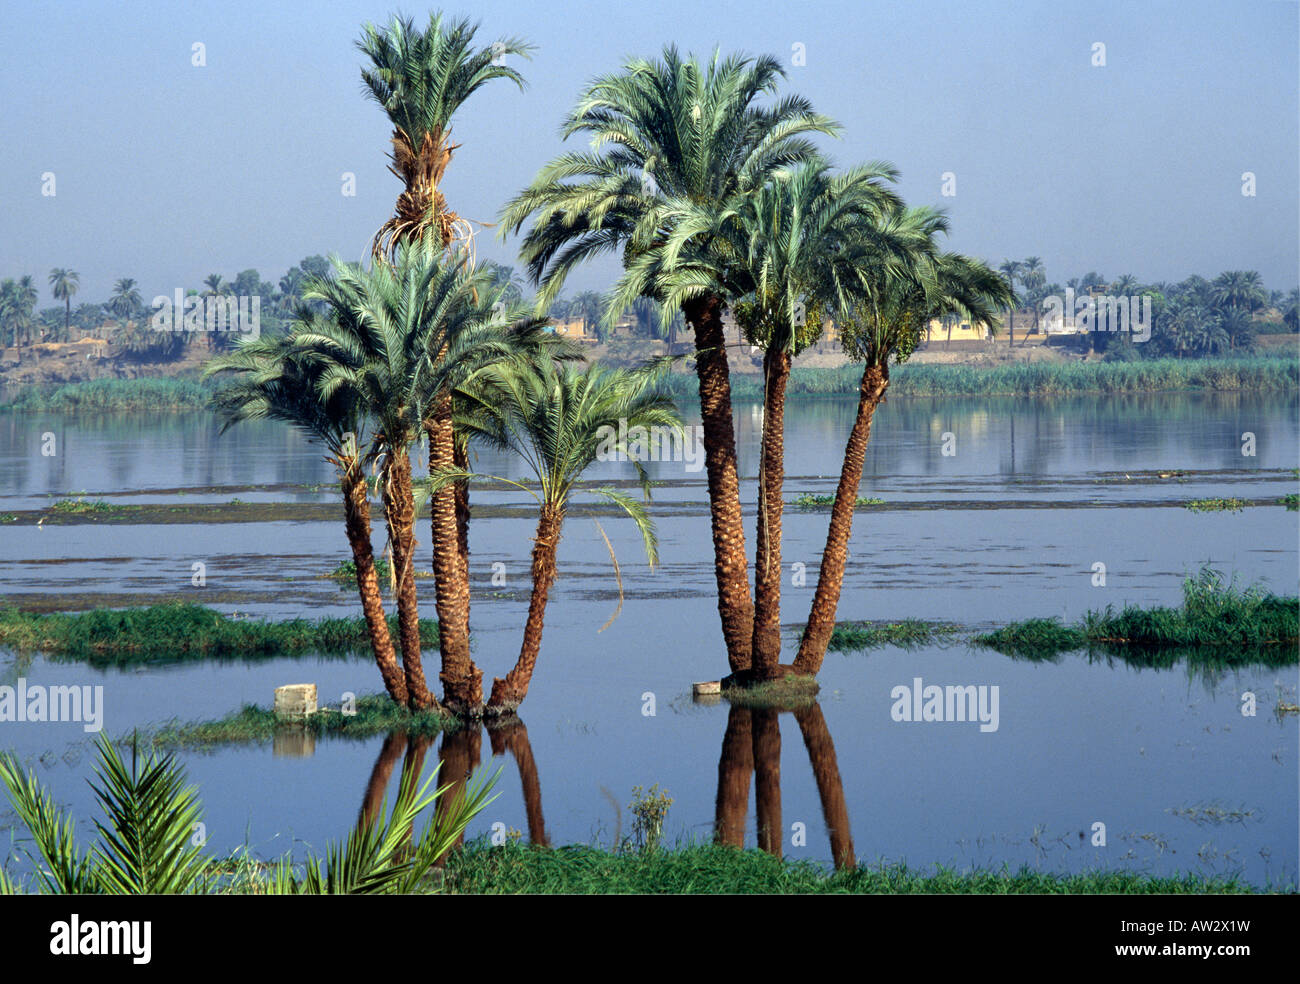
166,171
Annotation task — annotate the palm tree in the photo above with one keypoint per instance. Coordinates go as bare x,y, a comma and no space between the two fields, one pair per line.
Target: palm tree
1291,310
1012,271
780,253
590,307
894,302
17,301
277,379
64,284
1033,277
1240,289
559,420
126,299
665,131
421,78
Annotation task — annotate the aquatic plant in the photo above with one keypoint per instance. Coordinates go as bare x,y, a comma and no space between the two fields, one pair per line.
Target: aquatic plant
850,636
809,501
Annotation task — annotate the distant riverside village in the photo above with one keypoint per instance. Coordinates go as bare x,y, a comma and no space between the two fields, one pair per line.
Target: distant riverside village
176,334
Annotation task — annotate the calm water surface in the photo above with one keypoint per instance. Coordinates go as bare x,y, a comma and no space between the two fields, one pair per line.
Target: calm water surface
1008,527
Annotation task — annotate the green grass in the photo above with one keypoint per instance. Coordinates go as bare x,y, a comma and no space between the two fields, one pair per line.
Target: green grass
1258,373
1218,625
179,632
1292,501
851,636
1216,505
809,501
110,395
375,714
8,518
711,869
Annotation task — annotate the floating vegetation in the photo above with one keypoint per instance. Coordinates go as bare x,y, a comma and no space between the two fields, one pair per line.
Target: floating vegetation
1213,814
1292,501
8,518
514,868
1218,625
177,632
1217,505
808,501
374,714
81,506
909,632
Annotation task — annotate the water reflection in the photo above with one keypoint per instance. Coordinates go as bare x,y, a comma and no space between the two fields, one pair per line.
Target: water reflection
751,746
459,755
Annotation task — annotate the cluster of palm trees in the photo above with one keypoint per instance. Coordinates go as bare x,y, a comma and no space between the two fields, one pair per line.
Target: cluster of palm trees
1194,318
744,214
425,345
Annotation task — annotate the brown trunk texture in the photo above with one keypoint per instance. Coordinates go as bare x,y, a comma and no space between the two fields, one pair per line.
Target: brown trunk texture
735,604
830,787
462,681
830,576
767,543
356,513
734,769
399,510
509,693
458,756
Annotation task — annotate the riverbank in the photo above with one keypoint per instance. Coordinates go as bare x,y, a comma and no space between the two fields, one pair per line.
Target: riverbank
1256,373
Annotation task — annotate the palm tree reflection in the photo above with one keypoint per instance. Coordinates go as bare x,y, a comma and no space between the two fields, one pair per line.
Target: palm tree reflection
752,746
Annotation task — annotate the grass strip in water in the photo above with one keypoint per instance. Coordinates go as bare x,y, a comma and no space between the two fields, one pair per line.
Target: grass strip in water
375,714
1219,623
178,632
516,868
1216,505
850,636
809,501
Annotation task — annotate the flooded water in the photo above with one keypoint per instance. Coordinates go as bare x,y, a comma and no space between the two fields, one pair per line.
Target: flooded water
1007,526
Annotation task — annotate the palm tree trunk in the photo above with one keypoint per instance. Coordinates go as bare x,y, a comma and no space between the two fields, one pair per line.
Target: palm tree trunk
461,460
509,693
767,542
767,780
830,787
735,604
830,577
399,511
462,681
735,767
458,757
356,514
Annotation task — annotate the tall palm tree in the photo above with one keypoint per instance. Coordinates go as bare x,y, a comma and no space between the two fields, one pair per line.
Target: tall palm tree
126,298
1291,309
559,420
64,284
1033,276
278,379
421,78
781,251
895,300
406,335
1011,269
664,131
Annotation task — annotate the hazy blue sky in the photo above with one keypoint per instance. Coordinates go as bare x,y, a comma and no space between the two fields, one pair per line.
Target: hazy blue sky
167,172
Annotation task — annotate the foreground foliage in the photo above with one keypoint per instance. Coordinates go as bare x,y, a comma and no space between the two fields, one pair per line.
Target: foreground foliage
148,843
